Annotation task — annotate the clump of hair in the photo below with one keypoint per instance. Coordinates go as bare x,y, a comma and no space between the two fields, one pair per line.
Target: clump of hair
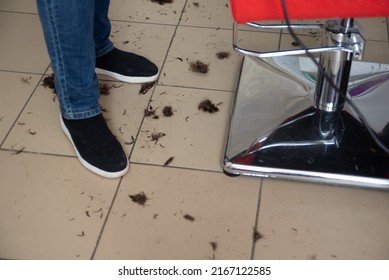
169,161
223,55
48,82
104,89
146,87
199,67
256,235
167,111
207,106
156,136
213,245
26,80
139,198
189,218
149,112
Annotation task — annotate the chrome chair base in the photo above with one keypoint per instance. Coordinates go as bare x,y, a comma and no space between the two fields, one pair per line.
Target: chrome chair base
275,131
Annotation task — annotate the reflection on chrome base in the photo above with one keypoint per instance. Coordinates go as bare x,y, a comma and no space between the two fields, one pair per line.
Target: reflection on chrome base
275,131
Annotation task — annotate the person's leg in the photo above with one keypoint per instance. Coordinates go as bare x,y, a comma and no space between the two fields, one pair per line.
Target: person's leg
121,65
68,29
102,28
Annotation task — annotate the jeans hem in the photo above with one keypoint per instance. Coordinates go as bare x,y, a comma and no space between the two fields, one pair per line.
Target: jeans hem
105,50
81,115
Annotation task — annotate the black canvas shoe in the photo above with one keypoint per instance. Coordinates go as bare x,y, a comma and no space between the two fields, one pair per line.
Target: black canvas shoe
96,147
126,67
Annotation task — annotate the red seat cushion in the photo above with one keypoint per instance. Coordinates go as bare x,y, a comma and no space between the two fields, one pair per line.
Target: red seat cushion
259,10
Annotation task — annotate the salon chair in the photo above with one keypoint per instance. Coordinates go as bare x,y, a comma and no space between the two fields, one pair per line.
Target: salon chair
294,118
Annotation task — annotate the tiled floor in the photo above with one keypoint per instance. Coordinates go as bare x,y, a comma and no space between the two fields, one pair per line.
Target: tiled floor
52,208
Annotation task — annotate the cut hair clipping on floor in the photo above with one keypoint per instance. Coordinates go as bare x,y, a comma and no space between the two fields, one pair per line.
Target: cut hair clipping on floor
26,80
207,106
169,161
150,112
104,89
48,82
167,111
189,218
199,67
139,198
223,55
146,87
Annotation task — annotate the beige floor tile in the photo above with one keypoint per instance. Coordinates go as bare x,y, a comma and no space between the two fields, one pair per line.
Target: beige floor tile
303,221
146,11
38,129
149,40
223,211
194,138
205,13
22,45
374,28
124,112
24,6
50,208
376,52
14,93
193,44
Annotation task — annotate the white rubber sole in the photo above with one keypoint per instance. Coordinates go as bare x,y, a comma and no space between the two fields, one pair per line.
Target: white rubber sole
134,80
87,165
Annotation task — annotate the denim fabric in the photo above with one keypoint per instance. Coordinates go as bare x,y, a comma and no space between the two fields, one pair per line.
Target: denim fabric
76,31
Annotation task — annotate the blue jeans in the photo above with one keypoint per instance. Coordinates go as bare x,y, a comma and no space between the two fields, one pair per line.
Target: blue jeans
76,32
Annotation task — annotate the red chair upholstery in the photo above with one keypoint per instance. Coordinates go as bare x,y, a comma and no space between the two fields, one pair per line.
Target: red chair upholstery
258,10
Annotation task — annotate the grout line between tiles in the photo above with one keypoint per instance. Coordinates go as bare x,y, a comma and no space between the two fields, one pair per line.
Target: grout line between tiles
22,151
280,39
256,220
199,88
228,29
163,65
20,72
376,41
180,25
107,80
15,12
21,111
178,167
387,28
141,22
106,219
17,152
